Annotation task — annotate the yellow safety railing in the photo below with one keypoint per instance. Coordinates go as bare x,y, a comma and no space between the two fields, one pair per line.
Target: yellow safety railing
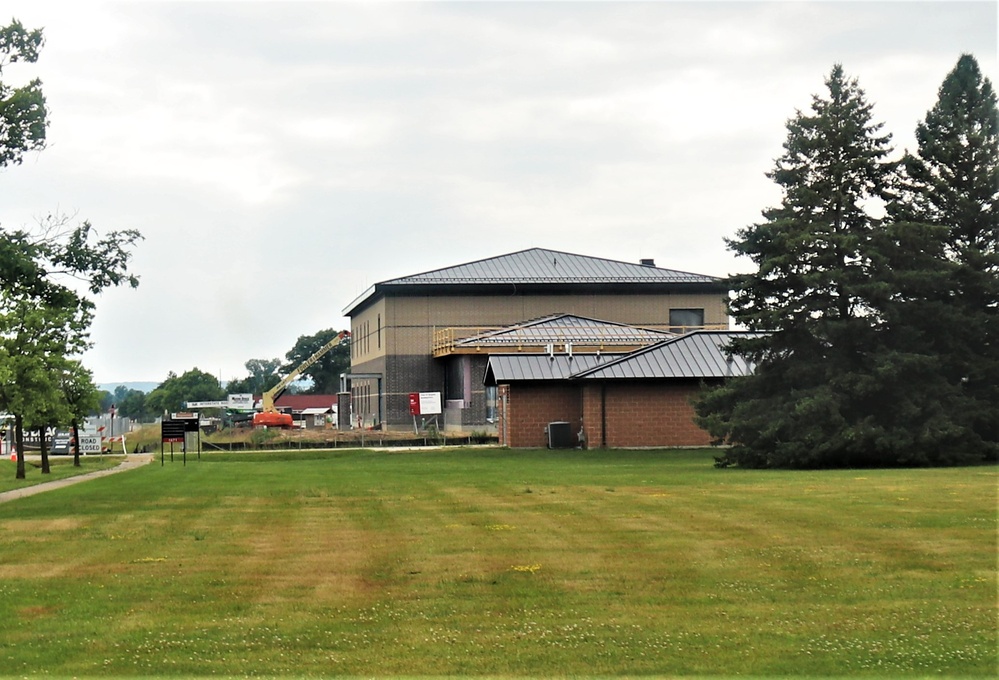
454,339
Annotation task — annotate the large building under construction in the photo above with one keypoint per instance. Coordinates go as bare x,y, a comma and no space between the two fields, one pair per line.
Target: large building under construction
433,332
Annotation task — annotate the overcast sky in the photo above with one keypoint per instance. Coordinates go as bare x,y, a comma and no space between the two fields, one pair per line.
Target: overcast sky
280,158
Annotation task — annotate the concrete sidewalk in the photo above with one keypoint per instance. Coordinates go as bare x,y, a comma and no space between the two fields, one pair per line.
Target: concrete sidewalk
131,461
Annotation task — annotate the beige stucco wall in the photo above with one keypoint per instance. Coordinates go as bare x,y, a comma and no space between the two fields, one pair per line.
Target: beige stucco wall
412,319
368,337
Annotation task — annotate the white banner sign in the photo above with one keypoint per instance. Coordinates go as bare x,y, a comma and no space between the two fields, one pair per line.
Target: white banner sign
241,401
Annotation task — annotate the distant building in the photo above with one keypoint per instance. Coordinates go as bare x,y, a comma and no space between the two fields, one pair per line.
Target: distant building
434,331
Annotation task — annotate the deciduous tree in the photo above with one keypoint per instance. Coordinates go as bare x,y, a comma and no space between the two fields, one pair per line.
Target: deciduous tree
263,376
23,114
194,385
46,274
82,398
325,372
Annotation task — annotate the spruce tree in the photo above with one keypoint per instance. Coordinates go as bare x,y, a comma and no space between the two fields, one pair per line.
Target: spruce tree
952,185
817,397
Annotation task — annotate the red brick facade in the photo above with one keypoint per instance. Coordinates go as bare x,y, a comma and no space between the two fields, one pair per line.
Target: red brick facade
528,408
611,414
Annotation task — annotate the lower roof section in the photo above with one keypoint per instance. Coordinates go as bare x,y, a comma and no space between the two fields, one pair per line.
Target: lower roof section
696,355
504,368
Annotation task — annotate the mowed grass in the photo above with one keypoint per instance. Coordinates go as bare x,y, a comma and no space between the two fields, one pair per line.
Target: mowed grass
501,563
60,467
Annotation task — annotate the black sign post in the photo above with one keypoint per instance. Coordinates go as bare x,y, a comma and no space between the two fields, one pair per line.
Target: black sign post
172,430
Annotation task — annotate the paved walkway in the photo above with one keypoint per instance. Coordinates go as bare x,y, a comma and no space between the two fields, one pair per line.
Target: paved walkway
131,461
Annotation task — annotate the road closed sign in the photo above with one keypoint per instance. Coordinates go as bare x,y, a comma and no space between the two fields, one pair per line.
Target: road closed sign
90,443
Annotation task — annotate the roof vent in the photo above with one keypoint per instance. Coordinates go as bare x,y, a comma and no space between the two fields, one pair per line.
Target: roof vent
648,262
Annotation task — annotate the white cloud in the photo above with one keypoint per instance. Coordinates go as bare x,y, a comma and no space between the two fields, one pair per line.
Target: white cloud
281,157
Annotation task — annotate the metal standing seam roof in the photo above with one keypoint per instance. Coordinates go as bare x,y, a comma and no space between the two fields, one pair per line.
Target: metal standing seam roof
565,328
537,265
503,368
700,354
696,355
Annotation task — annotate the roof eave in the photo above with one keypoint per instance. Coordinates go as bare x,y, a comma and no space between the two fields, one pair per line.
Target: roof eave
360,300
388,289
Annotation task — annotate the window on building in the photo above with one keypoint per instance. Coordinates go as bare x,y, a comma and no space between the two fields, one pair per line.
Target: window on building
684,320
491,404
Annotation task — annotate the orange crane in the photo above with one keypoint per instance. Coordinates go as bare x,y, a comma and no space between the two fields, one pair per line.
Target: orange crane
269,416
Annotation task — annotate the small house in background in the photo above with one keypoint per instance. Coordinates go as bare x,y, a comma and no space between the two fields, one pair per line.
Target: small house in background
639,399
309,410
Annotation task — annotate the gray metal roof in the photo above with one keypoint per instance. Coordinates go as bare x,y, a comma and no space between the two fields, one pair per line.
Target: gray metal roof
697,355
700,354
503,368
538,265
565,328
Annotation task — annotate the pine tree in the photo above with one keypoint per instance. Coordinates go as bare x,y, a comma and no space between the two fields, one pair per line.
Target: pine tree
822,389
952,183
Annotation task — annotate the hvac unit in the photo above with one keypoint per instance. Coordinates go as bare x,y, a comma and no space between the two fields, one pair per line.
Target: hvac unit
559,435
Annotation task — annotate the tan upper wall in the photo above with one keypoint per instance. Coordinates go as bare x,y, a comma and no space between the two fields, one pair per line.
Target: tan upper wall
412,319
368,338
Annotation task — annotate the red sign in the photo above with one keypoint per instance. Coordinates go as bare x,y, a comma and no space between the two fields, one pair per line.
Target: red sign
414,403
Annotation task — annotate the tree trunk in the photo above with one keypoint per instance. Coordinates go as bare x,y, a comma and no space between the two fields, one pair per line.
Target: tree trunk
44,450
76,443
19,443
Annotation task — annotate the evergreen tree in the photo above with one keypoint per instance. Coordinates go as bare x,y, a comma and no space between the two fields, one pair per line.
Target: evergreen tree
952,185
817,397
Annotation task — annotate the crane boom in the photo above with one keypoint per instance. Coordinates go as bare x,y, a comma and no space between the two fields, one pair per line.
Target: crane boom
268,414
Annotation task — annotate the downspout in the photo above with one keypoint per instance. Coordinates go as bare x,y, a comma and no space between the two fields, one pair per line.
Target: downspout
603,416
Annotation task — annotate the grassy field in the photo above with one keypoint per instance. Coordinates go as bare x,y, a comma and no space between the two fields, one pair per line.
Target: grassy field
501,563
60,467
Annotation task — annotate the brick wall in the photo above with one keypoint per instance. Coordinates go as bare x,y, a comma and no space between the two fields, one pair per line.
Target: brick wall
529,409
642,414
593,415
406,373
634,414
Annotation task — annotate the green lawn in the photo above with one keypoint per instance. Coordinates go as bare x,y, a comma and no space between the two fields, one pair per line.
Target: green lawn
60,467
501,563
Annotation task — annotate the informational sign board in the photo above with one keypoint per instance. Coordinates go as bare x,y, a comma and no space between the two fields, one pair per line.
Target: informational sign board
173,430
424,403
